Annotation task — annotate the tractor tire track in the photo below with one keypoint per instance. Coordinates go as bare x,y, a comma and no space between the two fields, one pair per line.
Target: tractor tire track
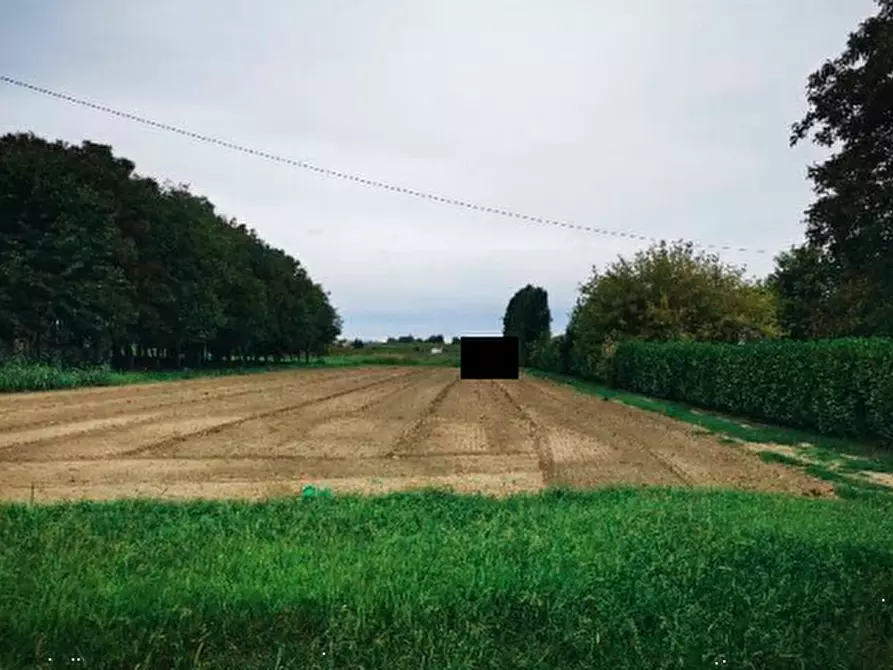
22,445
594,447
227,425
41,410
308,425
537,432
415,432
55,405
368,430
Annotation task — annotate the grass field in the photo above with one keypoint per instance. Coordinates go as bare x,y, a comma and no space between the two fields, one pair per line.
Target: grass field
618,578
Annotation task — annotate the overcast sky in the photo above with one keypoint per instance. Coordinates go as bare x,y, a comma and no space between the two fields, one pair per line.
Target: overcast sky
665,119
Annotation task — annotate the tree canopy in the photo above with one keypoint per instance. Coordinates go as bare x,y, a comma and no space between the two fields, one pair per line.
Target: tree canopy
98,264
849,248
528,318
670,292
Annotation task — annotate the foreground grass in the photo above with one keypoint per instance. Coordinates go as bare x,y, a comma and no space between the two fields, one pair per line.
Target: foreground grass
831,458
618,578
16,377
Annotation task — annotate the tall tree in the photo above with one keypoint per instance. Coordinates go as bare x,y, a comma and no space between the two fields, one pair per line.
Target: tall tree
528,318
850,223
814,301
61,292
98,264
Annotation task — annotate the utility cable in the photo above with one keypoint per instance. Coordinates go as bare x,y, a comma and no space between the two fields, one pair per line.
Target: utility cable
446,200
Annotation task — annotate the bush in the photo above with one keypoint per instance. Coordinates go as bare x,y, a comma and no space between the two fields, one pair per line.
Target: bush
839,387
545,355
560,355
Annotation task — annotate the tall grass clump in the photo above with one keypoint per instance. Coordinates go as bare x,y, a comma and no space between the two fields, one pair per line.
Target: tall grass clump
19,376
838,387
617,579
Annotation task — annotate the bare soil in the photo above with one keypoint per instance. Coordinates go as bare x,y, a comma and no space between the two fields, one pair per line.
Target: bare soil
368,430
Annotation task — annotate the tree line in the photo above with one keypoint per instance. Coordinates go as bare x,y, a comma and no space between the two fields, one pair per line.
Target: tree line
99,265
837,284
411,339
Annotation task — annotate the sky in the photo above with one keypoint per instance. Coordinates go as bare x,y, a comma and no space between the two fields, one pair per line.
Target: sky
668,120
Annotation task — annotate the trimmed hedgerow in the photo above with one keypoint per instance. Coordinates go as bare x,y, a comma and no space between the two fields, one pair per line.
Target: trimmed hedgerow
839,387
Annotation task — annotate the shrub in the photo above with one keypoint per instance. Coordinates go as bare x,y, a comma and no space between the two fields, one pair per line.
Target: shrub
545,355
839,387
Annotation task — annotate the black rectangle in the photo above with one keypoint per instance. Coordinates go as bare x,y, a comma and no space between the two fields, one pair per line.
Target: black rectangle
489,357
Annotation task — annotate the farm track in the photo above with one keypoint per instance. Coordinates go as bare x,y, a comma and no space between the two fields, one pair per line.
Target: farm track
355,430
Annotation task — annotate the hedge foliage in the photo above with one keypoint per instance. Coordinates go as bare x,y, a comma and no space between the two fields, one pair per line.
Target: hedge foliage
839,387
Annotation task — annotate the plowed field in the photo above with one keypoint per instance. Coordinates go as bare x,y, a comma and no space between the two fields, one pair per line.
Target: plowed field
369,430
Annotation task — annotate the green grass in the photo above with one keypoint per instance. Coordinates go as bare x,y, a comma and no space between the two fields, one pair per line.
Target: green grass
619,578
392,359
845,486
397,354
834,457
772,457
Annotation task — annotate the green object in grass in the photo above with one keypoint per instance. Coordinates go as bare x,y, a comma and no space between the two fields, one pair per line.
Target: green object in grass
310,491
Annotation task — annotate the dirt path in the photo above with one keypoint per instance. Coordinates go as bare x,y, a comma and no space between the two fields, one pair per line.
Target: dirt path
363,429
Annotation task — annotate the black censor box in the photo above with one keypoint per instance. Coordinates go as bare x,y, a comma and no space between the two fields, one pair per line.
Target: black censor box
488,357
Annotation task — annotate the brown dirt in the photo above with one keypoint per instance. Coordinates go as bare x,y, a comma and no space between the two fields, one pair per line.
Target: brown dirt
882,478
354,430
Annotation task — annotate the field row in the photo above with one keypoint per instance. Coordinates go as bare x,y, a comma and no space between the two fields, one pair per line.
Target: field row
357,430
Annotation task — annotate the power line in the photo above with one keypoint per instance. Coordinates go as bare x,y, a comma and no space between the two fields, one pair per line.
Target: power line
446,200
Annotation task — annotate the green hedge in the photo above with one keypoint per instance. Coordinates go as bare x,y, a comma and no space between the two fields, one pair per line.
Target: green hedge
839,387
